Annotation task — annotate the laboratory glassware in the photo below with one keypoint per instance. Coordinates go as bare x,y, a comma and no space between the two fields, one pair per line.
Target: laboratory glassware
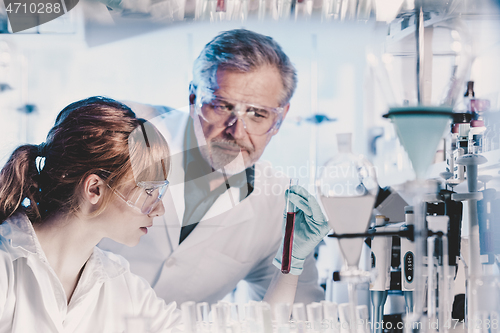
286,261
299,317
282,316
188,310
330,316
315,315
202,313
347,188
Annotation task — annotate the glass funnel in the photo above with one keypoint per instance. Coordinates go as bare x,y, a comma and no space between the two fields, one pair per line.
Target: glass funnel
347,188
419,130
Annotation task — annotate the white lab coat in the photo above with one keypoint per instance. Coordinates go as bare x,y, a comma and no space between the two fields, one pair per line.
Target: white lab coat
32,298
234,241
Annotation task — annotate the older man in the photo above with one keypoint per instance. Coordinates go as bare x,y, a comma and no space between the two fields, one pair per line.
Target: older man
224,210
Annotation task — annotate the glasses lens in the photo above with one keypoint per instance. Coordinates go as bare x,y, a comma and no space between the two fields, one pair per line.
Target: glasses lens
218,112
260,121
149,196
221,113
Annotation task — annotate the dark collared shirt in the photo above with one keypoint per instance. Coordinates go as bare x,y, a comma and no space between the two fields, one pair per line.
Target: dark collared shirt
197,195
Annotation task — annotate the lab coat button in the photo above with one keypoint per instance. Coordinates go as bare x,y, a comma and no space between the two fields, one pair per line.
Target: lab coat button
170,262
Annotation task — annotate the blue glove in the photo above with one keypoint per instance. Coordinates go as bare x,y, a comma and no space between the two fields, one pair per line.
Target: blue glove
311,227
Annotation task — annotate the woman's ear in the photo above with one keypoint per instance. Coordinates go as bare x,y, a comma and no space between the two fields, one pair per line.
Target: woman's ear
93,188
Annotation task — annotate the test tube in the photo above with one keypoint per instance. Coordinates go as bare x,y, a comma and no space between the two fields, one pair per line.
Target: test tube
241,311
362,318
202,311
234,313
264,317
331,315
221,6
227,309
232,317
219,313
299,312
344,318
315,315
189,316
289,227
251,317
282,315
299,317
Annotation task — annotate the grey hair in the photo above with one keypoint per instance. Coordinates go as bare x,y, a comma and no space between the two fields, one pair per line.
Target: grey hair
243,51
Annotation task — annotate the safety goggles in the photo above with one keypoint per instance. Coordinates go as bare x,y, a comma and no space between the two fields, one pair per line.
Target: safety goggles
224,112
145,196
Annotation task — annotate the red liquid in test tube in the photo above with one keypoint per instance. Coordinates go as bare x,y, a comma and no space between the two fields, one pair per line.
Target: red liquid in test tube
221,6
286,261
288,242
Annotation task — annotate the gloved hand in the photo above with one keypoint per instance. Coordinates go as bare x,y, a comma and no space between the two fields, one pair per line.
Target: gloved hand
311,227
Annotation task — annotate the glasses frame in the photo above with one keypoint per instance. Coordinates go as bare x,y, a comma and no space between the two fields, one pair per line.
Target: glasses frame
239,113
162,185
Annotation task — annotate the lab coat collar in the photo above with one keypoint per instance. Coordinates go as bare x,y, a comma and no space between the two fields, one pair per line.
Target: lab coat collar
19,231
108,268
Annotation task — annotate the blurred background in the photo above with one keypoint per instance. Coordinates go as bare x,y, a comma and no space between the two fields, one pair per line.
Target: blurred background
143,51
354,58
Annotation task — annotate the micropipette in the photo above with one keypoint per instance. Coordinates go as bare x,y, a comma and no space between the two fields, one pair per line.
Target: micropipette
286,261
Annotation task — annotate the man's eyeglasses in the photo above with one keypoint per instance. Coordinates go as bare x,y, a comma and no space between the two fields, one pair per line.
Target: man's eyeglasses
224,112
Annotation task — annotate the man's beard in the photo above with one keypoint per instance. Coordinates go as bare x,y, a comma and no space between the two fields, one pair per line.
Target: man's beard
229,164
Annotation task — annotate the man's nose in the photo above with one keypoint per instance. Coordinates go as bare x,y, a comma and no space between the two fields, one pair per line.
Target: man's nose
237,129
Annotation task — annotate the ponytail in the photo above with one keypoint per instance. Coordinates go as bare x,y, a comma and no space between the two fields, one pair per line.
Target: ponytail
19,180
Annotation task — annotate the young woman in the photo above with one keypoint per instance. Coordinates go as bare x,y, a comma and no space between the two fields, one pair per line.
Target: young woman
103,175
102,172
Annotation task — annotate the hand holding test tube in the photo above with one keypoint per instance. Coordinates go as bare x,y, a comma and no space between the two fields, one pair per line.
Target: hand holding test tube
309,228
